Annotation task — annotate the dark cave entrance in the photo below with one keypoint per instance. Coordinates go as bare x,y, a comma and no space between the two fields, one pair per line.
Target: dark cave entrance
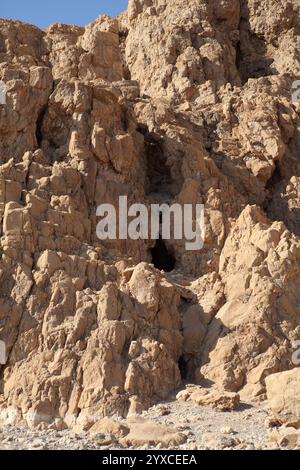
158,172
162,258
39,126
159,178
276,177
183,368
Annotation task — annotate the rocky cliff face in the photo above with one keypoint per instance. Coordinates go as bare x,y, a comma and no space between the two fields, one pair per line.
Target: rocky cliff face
184,101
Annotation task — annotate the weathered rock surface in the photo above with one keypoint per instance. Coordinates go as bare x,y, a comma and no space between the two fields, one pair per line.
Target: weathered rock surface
223,401
109,426
284,398
183,101
285,439
151,434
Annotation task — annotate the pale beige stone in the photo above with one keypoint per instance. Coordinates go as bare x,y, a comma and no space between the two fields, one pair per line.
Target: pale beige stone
151,434
283,396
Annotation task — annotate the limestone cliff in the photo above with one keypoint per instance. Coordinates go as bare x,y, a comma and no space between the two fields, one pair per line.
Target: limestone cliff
185,101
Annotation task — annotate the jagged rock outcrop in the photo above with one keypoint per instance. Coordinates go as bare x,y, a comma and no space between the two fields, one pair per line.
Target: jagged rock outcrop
251,336
183,101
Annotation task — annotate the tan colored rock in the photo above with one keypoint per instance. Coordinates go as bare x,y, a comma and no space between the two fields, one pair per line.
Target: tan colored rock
217,441
238,351
283,397
220,400
109,426
285,439
184,101
185,63
151,434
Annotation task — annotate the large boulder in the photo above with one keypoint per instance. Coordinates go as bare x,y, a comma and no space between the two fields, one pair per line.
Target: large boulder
283,392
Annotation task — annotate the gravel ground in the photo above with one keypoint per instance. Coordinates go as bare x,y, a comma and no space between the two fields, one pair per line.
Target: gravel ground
205,428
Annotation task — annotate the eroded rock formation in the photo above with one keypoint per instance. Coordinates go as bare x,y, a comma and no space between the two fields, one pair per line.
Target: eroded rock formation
184,101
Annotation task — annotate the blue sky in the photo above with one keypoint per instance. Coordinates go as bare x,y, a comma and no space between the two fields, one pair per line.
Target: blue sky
43,13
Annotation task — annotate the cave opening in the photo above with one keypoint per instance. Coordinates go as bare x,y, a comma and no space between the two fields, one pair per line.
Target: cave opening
162,258
39,126
159,178
183,368
249,67
276,177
